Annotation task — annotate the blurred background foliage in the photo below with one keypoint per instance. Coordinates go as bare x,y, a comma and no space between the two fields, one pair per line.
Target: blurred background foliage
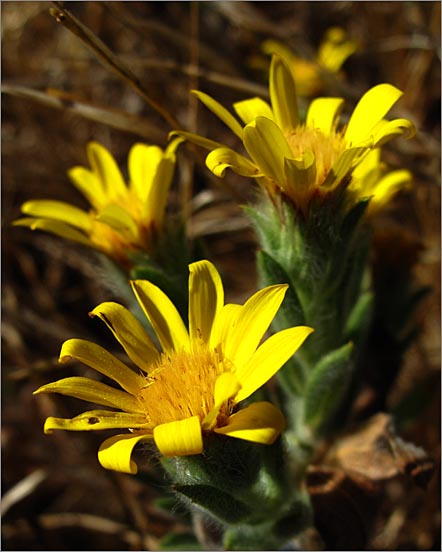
57,96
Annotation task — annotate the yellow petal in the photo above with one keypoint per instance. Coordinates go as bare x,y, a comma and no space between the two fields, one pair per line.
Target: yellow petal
387,130
323,113
275,47
97,420
206,297
115,453
163,316
221,159
226,387
253,320
344,165
143,163
221,112
156,199
180,438
105,167
196,139
251,108
120,220
387,187
88,184
224,325
129,332
371,109
335,49
104,362
269,358
300,176
283,95
58,210
268,147
93,391
370,162
54,227
261,422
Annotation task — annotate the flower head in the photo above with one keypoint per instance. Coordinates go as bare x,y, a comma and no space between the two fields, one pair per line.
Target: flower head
334,49
194,384
304,160
122,218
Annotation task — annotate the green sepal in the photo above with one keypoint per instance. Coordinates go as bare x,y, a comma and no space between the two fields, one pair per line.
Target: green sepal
183,541
215,502
326,387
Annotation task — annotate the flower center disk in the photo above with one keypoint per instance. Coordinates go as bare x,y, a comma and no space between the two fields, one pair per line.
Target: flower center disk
181,386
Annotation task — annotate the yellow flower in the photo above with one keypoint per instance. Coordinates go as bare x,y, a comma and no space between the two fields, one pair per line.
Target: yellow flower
195,384
334,49
123,218
303,160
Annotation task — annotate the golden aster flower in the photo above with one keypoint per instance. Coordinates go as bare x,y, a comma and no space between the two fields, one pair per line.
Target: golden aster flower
122,218
303,160
194,385
333,51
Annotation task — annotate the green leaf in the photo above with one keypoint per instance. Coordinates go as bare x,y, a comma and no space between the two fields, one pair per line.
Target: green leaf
215,502
271,272
360,318
326,386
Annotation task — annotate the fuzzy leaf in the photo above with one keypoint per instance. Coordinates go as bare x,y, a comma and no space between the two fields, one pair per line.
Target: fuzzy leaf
327,385
215,502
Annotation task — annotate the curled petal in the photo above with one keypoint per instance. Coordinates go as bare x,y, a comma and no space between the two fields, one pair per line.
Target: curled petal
387,130
224,158
115,453
179,438
261,422
201,141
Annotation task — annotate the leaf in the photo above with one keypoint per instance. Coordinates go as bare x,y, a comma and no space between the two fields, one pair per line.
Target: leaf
327,385
216,502
291,312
